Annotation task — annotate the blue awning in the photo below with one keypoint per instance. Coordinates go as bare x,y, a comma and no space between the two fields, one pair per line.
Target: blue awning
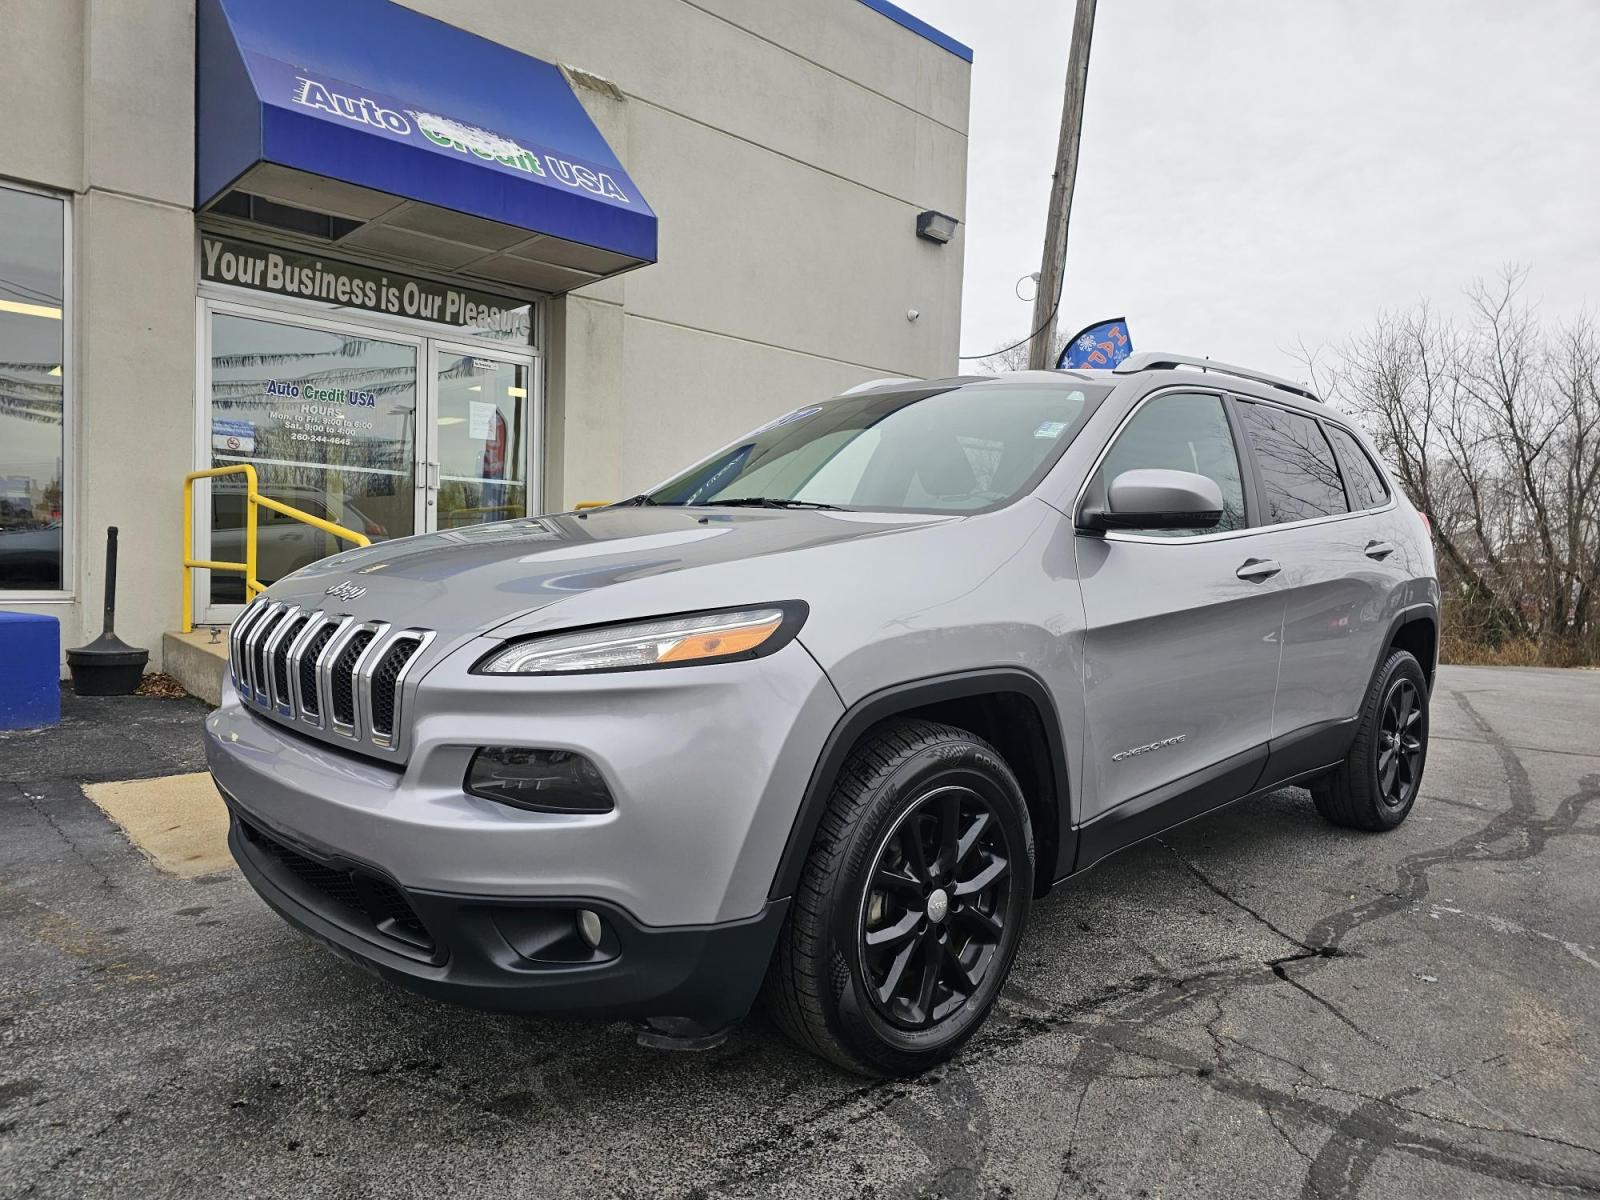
422,141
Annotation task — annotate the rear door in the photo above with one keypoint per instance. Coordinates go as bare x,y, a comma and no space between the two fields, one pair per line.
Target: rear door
1181,649
1335,617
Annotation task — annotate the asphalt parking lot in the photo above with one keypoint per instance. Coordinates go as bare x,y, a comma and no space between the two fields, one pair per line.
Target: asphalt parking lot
1255,1005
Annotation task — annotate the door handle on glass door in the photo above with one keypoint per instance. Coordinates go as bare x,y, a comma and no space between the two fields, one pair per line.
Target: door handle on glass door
1379,550
1258,569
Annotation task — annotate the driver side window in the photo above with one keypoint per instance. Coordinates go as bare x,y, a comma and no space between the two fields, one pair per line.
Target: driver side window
1181,432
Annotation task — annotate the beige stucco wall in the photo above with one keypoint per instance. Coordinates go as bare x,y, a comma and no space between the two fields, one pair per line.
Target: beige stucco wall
786,148
99,102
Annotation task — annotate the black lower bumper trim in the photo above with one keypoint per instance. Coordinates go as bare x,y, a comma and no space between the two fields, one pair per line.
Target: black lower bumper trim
497,952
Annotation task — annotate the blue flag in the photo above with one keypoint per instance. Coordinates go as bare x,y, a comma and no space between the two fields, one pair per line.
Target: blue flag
1099,347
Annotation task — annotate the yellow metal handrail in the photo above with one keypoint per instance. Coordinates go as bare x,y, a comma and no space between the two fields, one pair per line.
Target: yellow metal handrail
253,500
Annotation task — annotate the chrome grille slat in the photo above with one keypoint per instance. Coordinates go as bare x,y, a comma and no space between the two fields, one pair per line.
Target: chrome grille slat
315,622
314,669
345,672
386,680
313,709
349,627
236,645
285,625
254,641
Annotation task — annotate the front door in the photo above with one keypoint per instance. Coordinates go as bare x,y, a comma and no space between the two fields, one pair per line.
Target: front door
480,445
383,432
328,417
1181,650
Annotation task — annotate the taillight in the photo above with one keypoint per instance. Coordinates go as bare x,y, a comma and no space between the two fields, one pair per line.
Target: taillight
1426,524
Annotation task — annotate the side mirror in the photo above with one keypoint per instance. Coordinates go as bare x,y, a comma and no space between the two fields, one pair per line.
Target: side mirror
1154,499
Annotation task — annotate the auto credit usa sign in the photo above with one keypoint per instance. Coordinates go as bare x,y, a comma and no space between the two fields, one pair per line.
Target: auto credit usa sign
339,101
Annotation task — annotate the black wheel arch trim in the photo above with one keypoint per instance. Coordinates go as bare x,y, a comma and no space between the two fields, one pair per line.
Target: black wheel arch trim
1411,615
892,701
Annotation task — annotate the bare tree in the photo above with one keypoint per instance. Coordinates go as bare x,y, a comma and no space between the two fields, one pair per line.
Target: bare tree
1493,429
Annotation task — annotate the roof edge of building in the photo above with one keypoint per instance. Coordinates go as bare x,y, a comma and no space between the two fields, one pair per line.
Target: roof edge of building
921,28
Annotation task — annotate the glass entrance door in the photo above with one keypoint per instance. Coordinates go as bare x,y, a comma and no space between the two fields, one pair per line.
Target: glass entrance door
328,418
478,459
382,432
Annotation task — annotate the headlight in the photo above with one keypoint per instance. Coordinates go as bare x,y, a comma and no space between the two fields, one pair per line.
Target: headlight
668,642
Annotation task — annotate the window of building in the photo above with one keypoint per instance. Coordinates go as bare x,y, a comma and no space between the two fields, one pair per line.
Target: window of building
1299,477
1366,484
1181,432
33,381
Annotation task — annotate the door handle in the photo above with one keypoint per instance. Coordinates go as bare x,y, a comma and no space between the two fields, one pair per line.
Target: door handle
1258,569
1379,550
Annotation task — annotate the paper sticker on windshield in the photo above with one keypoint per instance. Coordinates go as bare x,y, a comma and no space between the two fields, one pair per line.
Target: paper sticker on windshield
798,414
1050,429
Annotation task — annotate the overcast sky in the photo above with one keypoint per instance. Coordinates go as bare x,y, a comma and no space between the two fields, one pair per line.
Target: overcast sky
1256,172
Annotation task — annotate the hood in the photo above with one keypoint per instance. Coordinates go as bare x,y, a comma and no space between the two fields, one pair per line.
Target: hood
466,581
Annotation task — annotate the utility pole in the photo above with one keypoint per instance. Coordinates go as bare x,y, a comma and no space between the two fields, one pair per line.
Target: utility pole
1051,270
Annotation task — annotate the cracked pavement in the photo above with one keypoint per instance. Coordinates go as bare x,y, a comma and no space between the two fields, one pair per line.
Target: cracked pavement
1255,1004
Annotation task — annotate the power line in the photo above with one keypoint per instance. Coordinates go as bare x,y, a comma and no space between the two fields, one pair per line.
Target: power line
1014,345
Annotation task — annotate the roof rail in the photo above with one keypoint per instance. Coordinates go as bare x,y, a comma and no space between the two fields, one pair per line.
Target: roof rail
1155,360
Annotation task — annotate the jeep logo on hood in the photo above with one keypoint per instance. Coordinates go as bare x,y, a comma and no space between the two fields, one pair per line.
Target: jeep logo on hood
346,591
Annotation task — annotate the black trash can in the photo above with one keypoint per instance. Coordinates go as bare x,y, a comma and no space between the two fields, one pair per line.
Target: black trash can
107,666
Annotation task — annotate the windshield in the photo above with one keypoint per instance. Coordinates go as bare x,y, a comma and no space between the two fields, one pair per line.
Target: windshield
960,448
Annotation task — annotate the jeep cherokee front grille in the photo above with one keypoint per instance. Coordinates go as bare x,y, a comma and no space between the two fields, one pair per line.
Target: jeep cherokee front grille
324,672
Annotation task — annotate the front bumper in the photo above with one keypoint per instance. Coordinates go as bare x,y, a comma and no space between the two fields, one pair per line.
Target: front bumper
507,953
706,765
463,898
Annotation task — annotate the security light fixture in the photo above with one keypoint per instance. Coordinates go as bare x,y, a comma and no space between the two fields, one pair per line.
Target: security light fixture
936,226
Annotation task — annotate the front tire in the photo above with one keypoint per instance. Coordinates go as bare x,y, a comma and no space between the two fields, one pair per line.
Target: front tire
911,904
1377,784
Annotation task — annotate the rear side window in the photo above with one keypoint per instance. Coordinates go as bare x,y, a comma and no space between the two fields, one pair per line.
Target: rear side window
1366,485
1299,477
1180,432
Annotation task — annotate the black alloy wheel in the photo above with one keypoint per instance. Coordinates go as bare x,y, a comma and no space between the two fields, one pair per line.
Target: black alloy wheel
933,916
1400,744
911,904
1377,784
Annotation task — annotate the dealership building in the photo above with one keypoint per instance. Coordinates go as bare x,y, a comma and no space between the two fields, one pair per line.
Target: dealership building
427,265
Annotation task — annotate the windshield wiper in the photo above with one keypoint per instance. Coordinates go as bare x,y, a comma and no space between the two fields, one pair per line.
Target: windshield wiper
639,501
769,502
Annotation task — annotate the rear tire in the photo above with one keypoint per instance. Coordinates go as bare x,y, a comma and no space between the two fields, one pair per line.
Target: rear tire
1377,784
910,906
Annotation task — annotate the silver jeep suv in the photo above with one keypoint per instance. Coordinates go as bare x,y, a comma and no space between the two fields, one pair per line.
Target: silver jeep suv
825,713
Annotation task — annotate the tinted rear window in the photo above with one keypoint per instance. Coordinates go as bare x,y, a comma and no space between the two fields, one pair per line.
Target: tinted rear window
1361,475
1299,475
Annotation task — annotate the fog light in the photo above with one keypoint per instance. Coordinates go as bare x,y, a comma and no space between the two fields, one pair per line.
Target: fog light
542,780
589,928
